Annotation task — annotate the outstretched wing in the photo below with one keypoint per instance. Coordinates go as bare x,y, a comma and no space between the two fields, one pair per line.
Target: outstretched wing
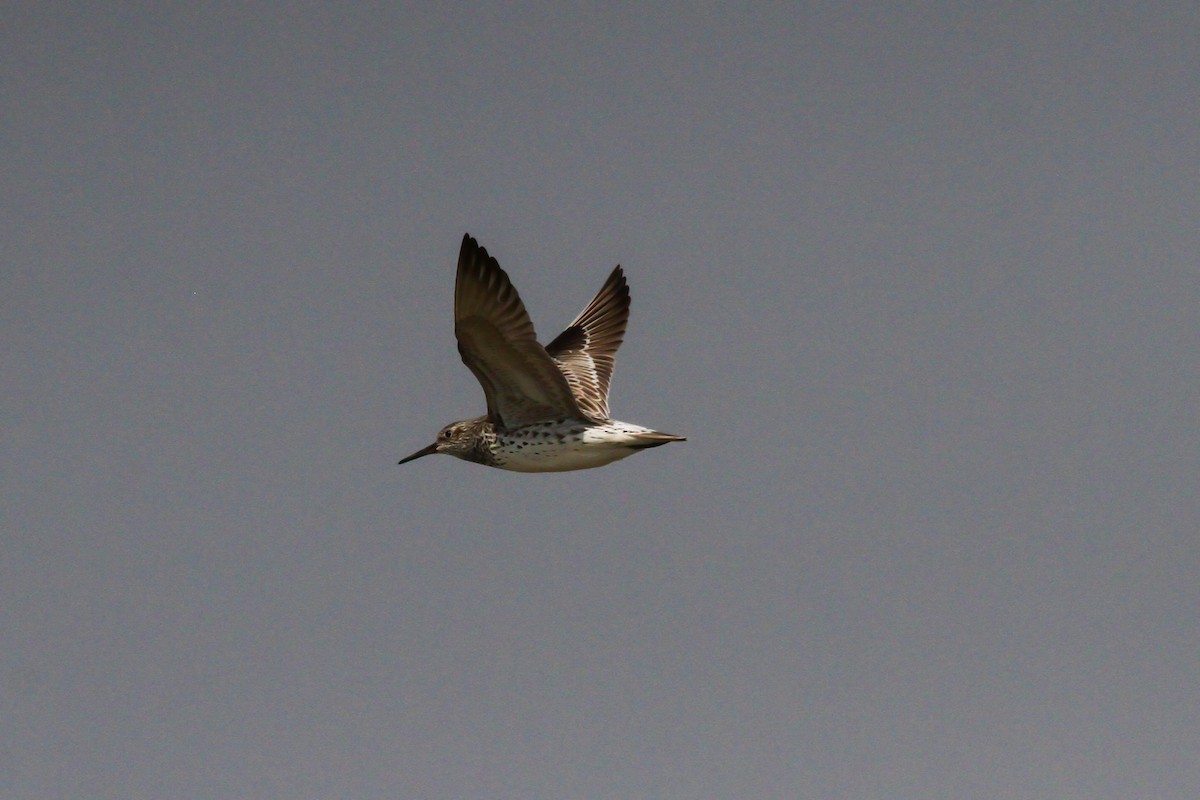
587,350
497,342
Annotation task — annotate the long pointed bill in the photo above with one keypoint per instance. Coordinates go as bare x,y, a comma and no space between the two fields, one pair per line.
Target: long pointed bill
424,451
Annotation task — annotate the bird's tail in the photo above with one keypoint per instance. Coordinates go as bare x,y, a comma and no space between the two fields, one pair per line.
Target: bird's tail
644,441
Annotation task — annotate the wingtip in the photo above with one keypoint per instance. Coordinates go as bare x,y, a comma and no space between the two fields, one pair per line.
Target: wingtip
618,276
468,245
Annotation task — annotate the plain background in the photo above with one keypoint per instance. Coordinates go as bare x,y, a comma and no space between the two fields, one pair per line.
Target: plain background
918,280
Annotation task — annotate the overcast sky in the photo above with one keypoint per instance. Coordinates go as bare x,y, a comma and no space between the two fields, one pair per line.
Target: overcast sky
919,283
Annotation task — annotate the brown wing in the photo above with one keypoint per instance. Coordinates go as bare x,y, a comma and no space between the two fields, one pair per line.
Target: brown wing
587,350
497,343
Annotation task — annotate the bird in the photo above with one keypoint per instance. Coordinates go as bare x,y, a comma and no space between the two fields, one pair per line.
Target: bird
547,407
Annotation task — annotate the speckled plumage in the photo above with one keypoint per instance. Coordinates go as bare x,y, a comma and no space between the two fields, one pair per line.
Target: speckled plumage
547,406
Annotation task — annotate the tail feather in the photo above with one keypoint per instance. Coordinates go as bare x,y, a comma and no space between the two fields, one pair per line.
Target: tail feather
644,441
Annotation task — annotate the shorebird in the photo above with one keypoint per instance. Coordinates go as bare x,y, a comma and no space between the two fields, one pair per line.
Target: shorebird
547,407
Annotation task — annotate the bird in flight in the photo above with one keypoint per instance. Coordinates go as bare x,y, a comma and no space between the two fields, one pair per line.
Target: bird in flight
547,407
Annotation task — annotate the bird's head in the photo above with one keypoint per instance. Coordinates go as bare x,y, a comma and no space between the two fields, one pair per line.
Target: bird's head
456,439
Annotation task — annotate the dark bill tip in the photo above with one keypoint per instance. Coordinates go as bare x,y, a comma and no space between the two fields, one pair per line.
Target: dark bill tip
424,451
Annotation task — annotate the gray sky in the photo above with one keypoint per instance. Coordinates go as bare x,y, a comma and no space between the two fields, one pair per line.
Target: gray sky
919,283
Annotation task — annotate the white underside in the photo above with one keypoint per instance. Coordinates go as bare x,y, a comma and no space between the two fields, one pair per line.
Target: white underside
598,445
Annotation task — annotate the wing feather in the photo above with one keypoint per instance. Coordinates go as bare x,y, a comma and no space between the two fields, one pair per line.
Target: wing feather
586,351
498,344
